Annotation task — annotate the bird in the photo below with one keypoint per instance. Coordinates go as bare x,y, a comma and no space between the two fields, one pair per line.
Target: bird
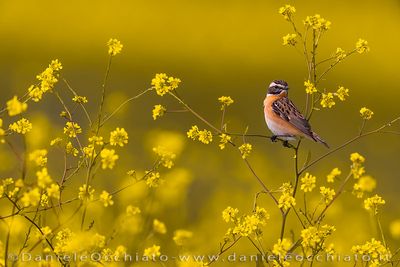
283,118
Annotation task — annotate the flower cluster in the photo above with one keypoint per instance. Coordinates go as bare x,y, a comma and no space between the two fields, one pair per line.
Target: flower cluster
15,107
164,84
225,101
203,136
357,168
362,46
308,182
48,78
290,39
245,150
316,22
166,157
375,251
330,178
327,194
364,184
286,200
72,129
366,113
310,87
22,126
245,225
224,139
373,203
119,137
158,111
287,11
114,47
314,237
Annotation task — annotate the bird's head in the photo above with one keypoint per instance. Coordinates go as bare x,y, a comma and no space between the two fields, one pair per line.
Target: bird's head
277,87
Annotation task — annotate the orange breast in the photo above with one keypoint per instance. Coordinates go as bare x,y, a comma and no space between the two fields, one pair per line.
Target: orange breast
275,123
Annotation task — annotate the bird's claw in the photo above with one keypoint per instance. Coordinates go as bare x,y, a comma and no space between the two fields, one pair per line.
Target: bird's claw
274,138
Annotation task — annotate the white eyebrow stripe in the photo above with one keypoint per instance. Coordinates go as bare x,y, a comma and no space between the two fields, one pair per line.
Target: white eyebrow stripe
273,84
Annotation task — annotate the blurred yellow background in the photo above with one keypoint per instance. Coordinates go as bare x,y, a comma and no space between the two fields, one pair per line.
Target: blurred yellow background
217,48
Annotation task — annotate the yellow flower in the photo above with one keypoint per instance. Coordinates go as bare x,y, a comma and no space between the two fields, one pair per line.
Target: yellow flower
340,54
53,191
342,93
357,168
327,100
96,140
70,149
39,156
366,113
310,87
86,193
286,201
152,252
229,214
55,65
308,182
245,150
106,199
131,210
114,47
89,151
364,184
80,99
55,141
159,227
395,229
287,11
327,193
164,84
193,133
224,139
166,157
313,236
362,46
48,78
225,101
158,111
282,247
108,158
317,22
43,178
72,129
286,188
35,93
357,158
119,137
249,224
22,126
15,107
330,178
373,203
153,179
377,253
205,136
182,236
31,198
290,39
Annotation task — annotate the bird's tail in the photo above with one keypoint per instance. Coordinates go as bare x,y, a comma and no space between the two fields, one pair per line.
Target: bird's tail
319,139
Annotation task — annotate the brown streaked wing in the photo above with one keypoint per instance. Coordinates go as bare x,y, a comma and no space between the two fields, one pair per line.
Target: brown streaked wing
285,108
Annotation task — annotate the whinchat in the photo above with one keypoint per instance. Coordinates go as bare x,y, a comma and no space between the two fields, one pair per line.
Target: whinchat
283,118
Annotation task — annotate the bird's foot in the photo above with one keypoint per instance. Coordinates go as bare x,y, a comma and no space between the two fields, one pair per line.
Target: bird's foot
286,144
274,138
